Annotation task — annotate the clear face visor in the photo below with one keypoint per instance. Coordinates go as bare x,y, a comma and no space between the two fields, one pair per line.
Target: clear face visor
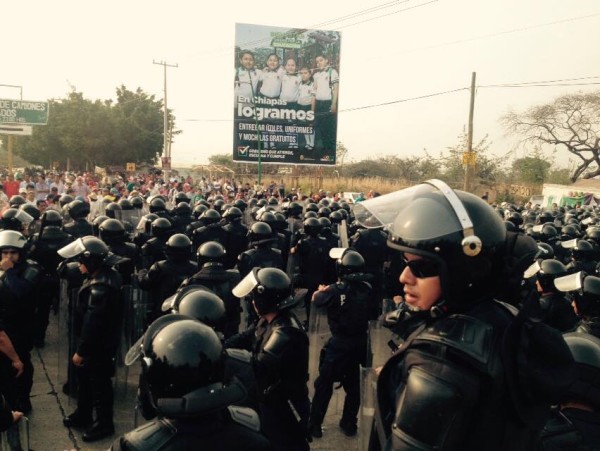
389,209
532,270
23,217
337,252
572,282
246,285
131,216
73,249
569,244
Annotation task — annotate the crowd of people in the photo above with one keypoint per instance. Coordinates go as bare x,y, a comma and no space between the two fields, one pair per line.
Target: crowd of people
482,296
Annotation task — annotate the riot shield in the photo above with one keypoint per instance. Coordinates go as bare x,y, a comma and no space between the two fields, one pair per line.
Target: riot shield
343,233
66,339
127,377
293,263
368,398
318,334
16,437
139,312
381,341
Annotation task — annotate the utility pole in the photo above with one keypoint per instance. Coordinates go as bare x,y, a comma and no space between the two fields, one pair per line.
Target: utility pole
166,145
469,157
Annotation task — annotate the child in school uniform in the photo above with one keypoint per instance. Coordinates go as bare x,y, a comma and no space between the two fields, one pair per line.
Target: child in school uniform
306,102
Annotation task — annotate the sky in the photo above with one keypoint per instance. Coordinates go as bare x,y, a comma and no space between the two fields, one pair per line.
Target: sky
392,53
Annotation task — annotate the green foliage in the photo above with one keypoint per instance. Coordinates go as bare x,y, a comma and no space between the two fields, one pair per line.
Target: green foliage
97,132
534,169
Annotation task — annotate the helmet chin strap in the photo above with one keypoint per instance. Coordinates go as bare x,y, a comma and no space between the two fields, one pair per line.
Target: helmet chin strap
471,243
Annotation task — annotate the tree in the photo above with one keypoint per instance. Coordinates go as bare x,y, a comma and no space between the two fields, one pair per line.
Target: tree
488,169
570,122
534,169
97,132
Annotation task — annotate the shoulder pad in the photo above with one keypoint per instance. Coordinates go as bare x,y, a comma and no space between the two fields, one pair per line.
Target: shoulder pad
153,435
465,334
32,272
239,354
245,416
98,293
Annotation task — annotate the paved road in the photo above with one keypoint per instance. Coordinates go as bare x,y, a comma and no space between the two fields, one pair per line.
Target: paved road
50,406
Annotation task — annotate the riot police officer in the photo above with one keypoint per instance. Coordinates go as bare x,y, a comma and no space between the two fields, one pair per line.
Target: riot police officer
261,253
154,249
211,230
341,357
279,347
112,232
97,323
182,216
435,393
19,284
44,247
182,379
213,275
575,422
165,276
237,236
585,292
78,212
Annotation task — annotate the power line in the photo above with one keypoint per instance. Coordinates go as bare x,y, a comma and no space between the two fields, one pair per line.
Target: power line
494,85
389,14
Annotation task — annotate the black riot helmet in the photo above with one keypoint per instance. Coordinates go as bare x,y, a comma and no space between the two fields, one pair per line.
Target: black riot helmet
310,214
17,200
325,225
345,206
585,349
51,218
179,248
510,227
272,201
583,250
161,227
349,264
210,253
516,218
294,209
280,223
336,217
125,204
233,214
31,210
65,200
568,232
198,210
241,204
113,210
544,217
592,234
96,223
90,251
260,233
137,202
545,251
459,232
312,207
335,206
546,271
78,209
210,217
324,212
183,209
201,304
112,231
157,204
218,205
271,289
180,355
312,227
261,202
14,219
548,233
268,217
181,197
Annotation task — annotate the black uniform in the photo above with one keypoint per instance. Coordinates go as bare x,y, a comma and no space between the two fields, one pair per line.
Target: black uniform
344,352
97,323
372,245
162,280
153,251
315,265
210,232
131,256
263,256
215,277
572,430
557,312
237,242
280,359
448,363
18,292
231,429
80,227
43,251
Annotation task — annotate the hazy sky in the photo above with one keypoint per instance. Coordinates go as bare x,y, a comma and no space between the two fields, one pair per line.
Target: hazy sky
391,51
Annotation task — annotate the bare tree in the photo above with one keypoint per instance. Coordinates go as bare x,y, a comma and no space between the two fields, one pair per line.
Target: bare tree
571,121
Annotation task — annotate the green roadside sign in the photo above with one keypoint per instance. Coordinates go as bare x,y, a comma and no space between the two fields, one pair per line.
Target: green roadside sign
23,112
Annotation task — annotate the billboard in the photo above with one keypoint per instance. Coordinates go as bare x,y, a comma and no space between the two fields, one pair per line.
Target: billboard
286,93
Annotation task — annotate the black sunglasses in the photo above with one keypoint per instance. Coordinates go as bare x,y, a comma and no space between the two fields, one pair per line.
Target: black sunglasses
422,268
